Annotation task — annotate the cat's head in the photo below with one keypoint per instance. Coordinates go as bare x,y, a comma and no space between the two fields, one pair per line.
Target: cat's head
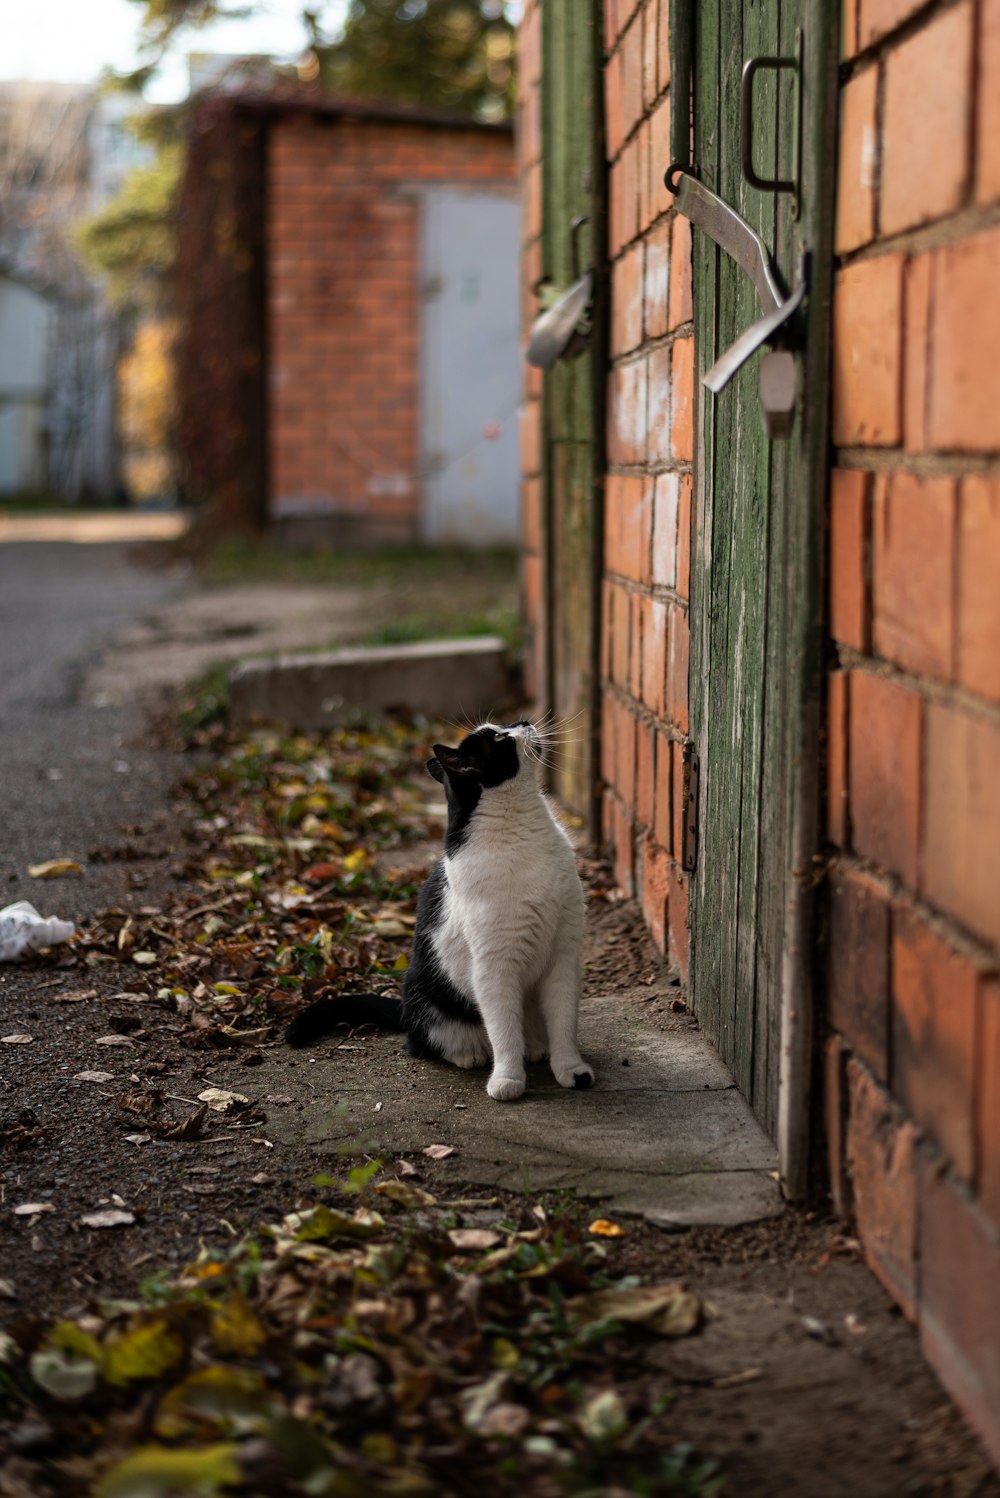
492,755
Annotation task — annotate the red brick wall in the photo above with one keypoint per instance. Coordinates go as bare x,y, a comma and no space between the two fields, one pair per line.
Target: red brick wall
913,1058
911,1065
650,442
343,310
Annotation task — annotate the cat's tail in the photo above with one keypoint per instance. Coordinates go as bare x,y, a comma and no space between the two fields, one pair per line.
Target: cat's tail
347,1011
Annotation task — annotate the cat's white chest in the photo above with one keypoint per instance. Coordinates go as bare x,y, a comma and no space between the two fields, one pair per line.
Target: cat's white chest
510,896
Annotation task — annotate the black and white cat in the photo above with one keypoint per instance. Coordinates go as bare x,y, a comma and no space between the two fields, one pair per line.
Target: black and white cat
496,967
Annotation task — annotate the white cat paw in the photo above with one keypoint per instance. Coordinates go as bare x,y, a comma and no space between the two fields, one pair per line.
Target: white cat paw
470,1057
505,1089
575,1074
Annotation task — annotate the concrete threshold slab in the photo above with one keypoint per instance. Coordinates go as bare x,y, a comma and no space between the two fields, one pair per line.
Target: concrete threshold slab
663,1135
321,690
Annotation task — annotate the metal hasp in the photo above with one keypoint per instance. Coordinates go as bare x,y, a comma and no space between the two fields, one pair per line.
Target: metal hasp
689,823
563,329
708,212
750,70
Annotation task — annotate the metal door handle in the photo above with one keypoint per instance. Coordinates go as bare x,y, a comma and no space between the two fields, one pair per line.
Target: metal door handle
723,224
562,329
750,71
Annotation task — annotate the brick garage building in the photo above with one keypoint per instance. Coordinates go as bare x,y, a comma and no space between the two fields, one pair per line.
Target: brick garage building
346,302
888,738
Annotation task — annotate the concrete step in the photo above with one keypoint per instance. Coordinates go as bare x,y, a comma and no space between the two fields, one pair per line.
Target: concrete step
466,678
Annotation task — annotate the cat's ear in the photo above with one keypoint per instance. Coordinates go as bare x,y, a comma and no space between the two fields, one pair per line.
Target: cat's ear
435,770
452,761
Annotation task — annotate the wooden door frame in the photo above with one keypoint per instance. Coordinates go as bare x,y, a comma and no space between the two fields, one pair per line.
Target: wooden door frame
554,244
801,975
799,983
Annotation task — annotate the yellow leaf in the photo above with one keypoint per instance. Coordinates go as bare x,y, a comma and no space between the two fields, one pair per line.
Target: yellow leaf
156,1472
66,1336
404,1195
54,868
235,1328
228,1397
327,1222
602,1228
143,1350
505,1355
357,860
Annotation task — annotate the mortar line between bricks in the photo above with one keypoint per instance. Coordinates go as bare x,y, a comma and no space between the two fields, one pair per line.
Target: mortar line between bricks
929,11
943,233
931,464
944,693
974,947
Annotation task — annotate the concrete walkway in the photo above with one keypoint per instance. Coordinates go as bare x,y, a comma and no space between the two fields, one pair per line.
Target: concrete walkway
664,1134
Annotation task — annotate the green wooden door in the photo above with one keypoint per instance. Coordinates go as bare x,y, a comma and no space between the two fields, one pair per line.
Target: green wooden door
756,585
572,188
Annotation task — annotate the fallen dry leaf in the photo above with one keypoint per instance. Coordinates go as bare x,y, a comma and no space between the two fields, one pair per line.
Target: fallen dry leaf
94,1076
16,1039
142,1104
114,1040
601,1227
668,1310
404,1195
219,1100
74,995
473,1240
32,1209
138,1138
438,1151
187,1128
53,868
112,1217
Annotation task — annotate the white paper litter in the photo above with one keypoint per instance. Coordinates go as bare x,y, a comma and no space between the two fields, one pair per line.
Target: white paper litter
22,930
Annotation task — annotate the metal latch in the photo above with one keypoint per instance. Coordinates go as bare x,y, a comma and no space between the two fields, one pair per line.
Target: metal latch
563,329
689,821
723,224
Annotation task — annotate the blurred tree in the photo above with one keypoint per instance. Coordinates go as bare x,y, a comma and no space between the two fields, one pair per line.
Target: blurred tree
446,54
131,241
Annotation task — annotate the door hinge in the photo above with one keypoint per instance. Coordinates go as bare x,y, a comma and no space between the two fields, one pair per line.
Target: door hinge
689,824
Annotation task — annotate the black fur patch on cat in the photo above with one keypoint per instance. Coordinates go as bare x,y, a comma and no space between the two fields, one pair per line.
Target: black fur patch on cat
483,760
430,995
348,1011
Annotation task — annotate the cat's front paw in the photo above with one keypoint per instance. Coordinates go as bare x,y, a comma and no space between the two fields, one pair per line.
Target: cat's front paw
505,1089
576,1074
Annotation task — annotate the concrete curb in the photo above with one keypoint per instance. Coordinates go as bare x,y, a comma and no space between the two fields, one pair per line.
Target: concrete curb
438,678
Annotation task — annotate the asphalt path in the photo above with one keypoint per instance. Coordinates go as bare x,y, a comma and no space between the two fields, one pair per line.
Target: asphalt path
73,776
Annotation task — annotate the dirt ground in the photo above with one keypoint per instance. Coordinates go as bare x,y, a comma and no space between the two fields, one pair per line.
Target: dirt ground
801,1377
805,1380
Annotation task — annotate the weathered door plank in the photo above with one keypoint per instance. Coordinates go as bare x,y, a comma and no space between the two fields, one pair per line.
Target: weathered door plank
569,59
755,590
